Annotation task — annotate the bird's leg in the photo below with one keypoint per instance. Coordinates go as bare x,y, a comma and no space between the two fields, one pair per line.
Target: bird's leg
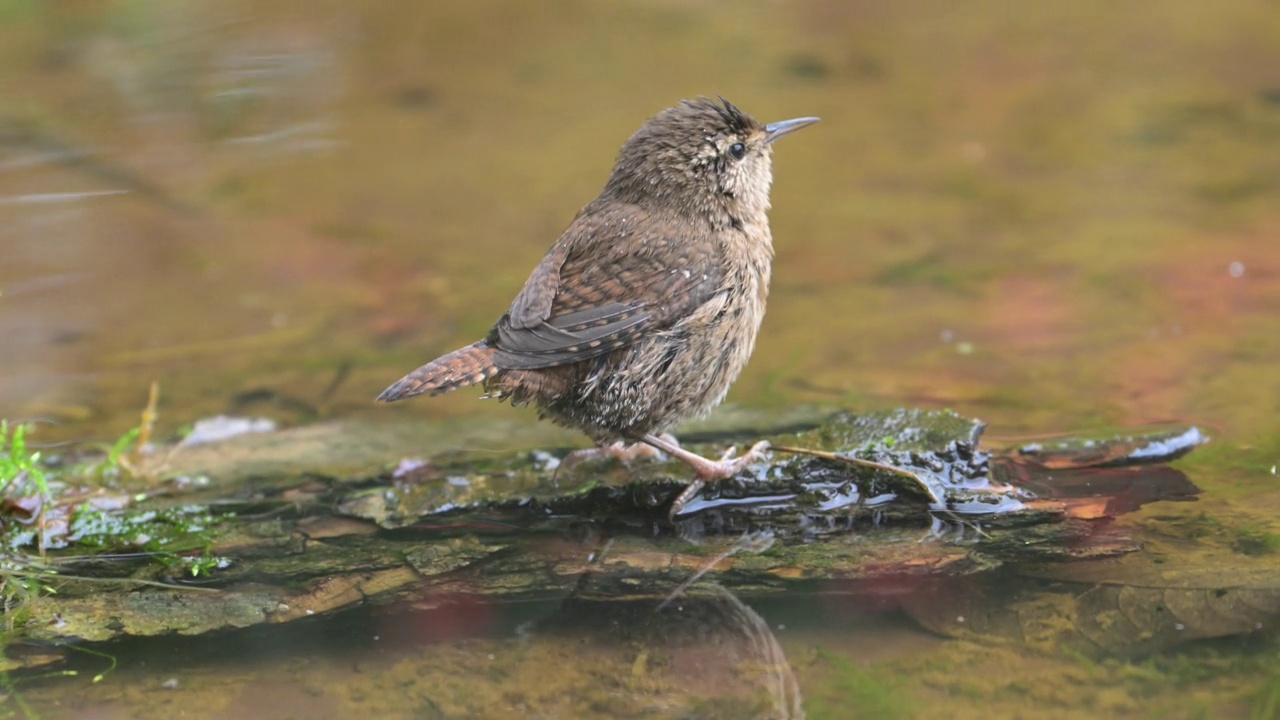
620,451
705,470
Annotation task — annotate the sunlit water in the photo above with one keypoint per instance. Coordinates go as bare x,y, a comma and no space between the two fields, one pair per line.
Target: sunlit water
1052,217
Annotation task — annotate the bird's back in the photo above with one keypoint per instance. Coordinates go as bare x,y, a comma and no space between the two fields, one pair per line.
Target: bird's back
684,302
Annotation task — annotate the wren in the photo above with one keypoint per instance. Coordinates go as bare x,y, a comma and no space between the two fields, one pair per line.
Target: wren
646,309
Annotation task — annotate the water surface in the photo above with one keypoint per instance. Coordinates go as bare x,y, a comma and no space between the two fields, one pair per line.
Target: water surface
1052,217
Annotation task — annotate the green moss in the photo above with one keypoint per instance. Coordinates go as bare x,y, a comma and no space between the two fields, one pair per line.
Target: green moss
1253,540
178,529
175,539
897,429
855,691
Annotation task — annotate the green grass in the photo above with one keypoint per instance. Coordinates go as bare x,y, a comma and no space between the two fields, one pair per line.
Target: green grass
17,464
49,509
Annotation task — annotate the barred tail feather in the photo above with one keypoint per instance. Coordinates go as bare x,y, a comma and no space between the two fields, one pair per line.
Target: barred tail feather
460,368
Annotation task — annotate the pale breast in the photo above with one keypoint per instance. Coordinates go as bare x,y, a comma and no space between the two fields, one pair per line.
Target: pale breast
738,311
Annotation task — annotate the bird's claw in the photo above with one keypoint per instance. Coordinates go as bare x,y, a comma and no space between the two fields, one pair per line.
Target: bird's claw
724,469
728,466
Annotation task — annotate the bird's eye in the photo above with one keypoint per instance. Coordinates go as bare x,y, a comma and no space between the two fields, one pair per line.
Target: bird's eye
737,150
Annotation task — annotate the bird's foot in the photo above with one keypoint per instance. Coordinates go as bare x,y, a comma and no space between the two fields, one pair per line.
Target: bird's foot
707,470
620,451
728,466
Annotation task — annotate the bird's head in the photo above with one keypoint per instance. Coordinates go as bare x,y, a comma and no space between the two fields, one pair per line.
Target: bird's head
701,159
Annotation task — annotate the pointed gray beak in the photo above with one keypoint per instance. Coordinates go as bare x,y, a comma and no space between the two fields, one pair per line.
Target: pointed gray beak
773,131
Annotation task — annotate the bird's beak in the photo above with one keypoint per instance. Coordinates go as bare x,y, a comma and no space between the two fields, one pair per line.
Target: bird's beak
773,131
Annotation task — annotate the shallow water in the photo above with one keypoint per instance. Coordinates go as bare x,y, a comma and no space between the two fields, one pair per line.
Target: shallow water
1055,218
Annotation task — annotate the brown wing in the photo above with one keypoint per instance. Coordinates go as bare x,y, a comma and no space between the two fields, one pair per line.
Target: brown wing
593,294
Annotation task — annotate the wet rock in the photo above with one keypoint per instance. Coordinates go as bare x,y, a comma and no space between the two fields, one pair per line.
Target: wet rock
315,520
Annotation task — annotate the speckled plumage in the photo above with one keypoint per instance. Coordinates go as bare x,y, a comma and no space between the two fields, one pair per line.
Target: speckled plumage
646,309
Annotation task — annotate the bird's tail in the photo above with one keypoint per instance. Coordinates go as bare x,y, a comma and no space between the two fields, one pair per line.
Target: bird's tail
460,368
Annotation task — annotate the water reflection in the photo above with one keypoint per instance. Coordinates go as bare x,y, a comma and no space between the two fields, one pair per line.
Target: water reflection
621,641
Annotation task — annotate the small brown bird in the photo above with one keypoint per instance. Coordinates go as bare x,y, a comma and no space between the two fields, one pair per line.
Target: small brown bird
646,309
